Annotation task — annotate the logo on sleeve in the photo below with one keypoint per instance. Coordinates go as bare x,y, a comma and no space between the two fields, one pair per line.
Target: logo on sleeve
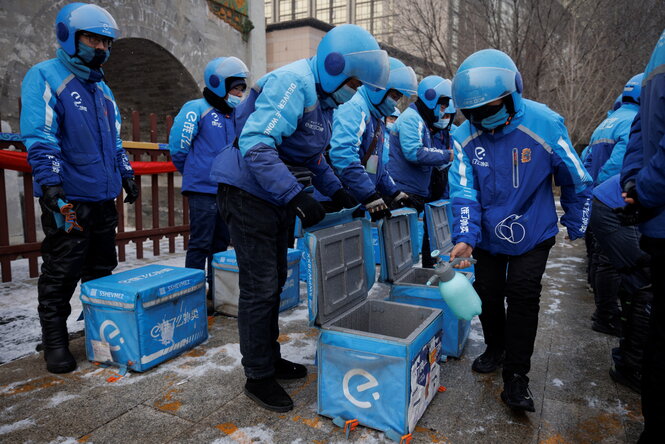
479,159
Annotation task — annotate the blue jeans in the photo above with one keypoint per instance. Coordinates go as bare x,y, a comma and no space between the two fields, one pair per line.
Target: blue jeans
208,233
260,232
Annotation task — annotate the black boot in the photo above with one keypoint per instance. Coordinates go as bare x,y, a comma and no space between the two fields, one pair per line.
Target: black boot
289,370
56,345
267,393
489,361
516,394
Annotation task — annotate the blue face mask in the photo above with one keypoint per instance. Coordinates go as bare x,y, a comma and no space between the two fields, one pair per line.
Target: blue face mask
387,106
442,123
390,125
94,58
495,120
343,94
232,100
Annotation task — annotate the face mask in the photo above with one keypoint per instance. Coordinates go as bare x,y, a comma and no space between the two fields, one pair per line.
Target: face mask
495,120
343,94
390,125
442,123
387,106
232,100
92,57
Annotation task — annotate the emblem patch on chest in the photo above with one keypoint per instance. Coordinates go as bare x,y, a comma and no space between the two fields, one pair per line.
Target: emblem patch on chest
526,155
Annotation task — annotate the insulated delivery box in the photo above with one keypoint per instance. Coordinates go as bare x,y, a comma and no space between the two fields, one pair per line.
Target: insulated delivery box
409,281
377,360
227,290
142,317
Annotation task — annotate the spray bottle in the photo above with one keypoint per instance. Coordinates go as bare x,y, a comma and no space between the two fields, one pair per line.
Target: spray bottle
455,288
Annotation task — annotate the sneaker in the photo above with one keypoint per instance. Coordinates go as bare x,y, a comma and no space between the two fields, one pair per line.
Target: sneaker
631,379
289,370
608,327
267,393
488,361
516,394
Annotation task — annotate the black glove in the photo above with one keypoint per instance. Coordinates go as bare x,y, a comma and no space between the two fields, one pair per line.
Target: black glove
635,213
51,196
376,207
344,199
401,199
308,209
131,189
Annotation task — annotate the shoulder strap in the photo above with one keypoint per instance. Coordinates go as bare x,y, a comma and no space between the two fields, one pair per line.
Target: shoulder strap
378,133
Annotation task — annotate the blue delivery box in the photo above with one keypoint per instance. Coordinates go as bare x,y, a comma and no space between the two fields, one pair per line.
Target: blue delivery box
142,317
408,282
377,360
227,289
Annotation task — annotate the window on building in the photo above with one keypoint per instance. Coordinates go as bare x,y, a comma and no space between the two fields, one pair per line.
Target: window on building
268,11
292,9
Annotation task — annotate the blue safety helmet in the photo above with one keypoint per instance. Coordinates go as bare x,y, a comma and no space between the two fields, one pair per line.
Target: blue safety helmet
76,17
220,69
432,88
485,76
402,78
350,51
451,108
632,90
617,102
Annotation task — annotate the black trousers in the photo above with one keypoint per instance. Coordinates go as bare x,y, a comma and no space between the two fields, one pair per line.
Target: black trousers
653,366
516,279
70,257
260,233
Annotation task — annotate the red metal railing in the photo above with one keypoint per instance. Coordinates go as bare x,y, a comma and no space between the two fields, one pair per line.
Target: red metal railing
137,151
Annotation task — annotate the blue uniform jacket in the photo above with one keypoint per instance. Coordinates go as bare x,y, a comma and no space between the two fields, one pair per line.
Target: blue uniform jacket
198,135
281,122
501,183
71,129
354,126
645,156
609,192
608,143
414,152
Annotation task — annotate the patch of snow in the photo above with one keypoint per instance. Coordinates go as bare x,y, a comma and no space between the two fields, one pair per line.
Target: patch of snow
300,348
59,398
556,382
554,307
64,440
248,434
18,425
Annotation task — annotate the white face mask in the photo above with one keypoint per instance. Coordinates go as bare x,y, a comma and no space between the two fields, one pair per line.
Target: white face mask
442,123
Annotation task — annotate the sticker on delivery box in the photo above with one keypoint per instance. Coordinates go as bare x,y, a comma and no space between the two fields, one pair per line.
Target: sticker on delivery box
101,351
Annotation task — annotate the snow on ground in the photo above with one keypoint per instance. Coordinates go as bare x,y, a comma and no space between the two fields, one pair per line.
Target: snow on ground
19,323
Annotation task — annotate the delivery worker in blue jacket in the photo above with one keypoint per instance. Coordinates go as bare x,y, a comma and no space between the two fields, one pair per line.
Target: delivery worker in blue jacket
199,132
608,141
620,244
389,125
643,182
419,143
503,207
603,159
356,147
286,119
71,126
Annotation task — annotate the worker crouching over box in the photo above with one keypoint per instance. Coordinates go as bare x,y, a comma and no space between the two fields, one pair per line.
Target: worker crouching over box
140,318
